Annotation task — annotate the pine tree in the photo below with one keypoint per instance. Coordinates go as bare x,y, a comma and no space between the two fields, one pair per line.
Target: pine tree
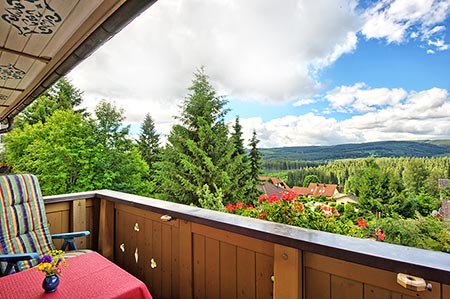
198,151
148,143
241,167
255,163
236,138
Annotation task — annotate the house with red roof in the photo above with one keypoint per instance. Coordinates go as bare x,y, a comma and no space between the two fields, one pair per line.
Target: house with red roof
316,189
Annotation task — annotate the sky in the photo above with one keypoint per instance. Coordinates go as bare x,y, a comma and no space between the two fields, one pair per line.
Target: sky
299,73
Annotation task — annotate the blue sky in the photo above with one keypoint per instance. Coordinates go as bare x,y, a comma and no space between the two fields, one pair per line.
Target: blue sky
299,73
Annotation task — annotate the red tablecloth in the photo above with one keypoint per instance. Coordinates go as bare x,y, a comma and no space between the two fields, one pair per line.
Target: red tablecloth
89,275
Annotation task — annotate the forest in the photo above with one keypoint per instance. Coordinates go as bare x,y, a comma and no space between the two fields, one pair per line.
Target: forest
206,163
426,148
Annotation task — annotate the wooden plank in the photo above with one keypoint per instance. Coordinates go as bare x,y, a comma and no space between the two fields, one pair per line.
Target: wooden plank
54,220
212,265
246,273
147,255
175,278
317,284
157,256
106,229
287,272
199,265
57,207
252,244
372,292
79,220
342,288
144,213
185,252
166,261
368,275
445,291
228,270
264,272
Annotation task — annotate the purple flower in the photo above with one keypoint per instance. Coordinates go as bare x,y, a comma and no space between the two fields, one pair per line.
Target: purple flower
46,259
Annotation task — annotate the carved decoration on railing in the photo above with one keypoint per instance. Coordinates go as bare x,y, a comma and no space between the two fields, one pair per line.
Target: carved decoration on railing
3,97
122,247
153,263
10,72
31,16
136,227
136,255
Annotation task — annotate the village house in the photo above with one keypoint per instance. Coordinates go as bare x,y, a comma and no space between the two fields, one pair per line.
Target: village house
317,189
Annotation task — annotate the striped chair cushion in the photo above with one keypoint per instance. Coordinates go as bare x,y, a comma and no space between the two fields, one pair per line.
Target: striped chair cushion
23,222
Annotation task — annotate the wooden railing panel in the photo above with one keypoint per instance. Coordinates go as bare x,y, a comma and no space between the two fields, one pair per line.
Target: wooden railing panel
206,254
264,273
212,263
343,288
246,273
228,270
287,272
316,284
58,219
145,237
344,276
73,216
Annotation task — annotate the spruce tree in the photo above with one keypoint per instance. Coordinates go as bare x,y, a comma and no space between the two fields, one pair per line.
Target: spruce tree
241,166
198,152
255,164
148,143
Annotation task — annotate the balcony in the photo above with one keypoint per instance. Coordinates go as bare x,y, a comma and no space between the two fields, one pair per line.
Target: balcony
181,251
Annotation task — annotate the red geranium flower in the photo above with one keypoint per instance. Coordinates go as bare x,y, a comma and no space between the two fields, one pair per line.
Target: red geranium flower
239,205
229,207
273,198
361,222
380,234
263,197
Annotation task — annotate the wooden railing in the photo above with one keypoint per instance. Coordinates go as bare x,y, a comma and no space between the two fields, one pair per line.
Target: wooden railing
181,251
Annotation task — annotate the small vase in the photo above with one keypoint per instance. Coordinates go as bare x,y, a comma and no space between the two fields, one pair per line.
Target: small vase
50,283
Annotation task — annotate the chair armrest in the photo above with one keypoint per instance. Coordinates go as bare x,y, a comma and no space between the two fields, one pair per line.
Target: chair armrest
71,235
13,261
69,238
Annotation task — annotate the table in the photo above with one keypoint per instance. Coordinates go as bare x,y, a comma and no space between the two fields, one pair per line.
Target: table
88,275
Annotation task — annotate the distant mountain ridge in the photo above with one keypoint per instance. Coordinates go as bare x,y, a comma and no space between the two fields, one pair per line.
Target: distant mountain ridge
425,148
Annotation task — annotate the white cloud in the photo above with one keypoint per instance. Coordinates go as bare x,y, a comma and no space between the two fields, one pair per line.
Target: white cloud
396,20
421,115
254,50
303,102
360,98
260,50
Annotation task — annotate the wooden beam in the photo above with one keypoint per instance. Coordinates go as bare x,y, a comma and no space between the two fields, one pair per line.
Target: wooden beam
23,54
78,222
186,257
106,229
13,89
287,273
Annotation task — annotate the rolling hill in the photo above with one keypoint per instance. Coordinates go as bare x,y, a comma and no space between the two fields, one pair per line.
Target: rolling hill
427,148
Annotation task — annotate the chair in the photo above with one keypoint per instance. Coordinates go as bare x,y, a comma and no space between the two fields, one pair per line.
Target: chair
24,232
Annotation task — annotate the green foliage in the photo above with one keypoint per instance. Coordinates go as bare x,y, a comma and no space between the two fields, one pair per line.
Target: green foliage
61,96
312,178
362,150
211,200
198,151
148,144
67,155
278,165
424,232
415,175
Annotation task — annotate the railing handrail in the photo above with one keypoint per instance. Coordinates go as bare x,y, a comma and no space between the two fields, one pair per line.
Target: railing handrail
430,265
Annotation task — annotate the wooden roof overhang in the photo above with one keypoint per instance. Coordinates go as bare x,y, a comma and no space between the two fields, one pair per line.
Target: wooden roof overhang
42,40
